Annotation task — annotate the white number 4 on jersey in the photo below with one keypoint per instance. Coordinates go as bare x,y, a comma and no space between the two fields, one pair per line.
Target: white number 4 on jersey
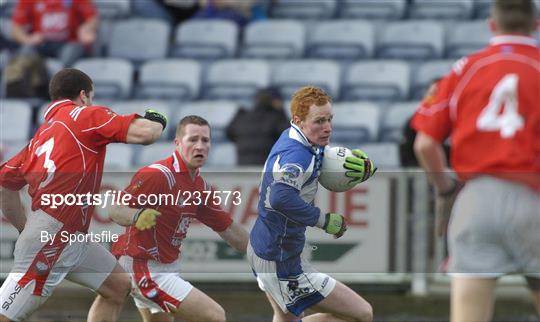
504,96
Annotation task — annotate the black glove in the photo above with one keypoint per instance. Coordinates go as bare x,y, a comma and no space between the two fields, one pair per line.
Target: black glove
156,116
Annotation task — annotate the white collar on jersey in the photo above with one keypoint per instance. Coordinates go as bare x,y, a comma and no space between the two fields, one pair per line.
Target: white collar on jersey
513,40
53,105
296,134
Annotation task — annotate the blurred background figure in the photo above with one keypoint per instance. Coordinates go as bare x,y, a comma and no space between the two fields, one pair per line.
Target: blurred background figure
240,12
173,11
62,29
255,131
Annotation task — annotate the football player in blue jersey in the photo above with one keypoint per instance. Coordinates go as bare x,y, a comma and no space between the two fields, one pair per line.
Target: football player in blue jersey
286,208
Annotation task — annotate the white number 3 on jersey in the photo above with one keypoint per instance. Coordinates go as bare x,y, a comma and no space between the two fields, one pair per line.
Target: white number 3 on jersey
504,96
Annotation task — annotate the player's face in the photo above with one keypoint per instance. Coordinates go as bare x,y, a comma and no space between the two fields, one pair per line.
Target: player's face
194,145
317,126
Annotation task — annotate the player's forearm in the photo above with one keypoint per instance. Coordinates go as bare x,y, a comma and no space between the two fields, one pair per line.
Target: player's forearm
236,236
143,131
12,208
431,156
122,215
19,34
287,201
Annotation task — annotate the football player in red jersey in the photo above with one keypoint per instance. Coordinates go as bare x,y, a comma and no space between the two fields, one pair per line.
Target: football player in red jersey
489,108
150,247
65,156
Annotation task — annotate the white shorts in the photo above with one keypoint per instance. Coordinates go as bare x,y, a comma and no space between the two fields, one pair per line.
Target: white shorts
494,230
39,267
154,285
293,284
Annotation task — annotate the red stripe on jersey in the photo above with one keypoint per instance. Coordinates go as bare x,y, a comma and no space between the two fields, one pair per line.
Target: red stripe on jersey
149,287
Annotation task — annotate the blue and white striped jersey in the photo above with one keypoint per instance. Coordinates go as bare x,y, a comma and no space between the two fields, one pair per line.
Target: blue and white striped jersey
286,196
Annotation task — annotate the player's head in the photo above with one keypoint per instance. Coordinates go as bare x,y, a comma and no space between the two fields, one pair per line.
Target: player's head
70,83
193,140
311,110
513,17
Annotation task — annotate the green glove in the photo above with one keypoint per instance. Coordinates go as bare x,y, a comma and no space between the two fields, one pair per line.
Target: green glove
145,218
334,224
362,168
156,116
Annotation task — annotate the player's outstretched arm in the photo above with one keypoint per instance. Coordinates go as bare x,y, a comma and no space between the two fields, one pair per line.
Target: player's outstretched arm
148,129
12,208
236,236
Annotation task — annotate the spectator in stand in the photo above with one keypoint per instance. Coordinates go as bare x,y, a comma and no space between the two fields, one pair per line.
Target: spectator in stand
240,12
172,11
256,130
63,29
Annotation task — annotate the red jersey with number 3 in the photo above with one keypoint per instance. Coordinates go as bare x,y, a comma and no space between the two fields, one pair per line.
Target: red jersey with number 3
65,157
489,105
183,198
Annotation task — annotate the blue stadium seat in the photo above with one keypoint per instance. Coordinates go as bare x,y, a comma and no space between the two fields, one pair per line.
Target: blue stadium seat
427,73
289,76
112,77
394,120
217,113
178,79
139,39
53,66
467,37
377,80
119,157
15,120
10,149
384,155
274,39
236,79
113,9
153,152
412,40
441,9
373,9
206,39
303,9
7,7
341,39
103,38
355,123
5,27
222,155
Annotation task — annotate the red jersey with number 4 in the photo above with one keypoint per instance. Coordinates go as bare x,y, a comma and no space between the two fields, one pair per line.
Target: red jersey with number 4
183,198
57,20
489,105
65,157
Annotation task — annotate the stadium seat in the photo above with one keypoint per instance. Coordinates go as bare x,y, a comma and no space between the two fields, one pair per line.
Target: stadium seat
119,157
412,40
289,76
217,113
303,9
373,9
222,155
5,27
15,120
377,80
427,73
139,106
112,77
113,9
237,79
178,79
206,39
154,152
355,123
441,9
103,37
483,7
7,7
9,149
394,120
467,37
139,39
341,39
274,39
53,66
384,155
